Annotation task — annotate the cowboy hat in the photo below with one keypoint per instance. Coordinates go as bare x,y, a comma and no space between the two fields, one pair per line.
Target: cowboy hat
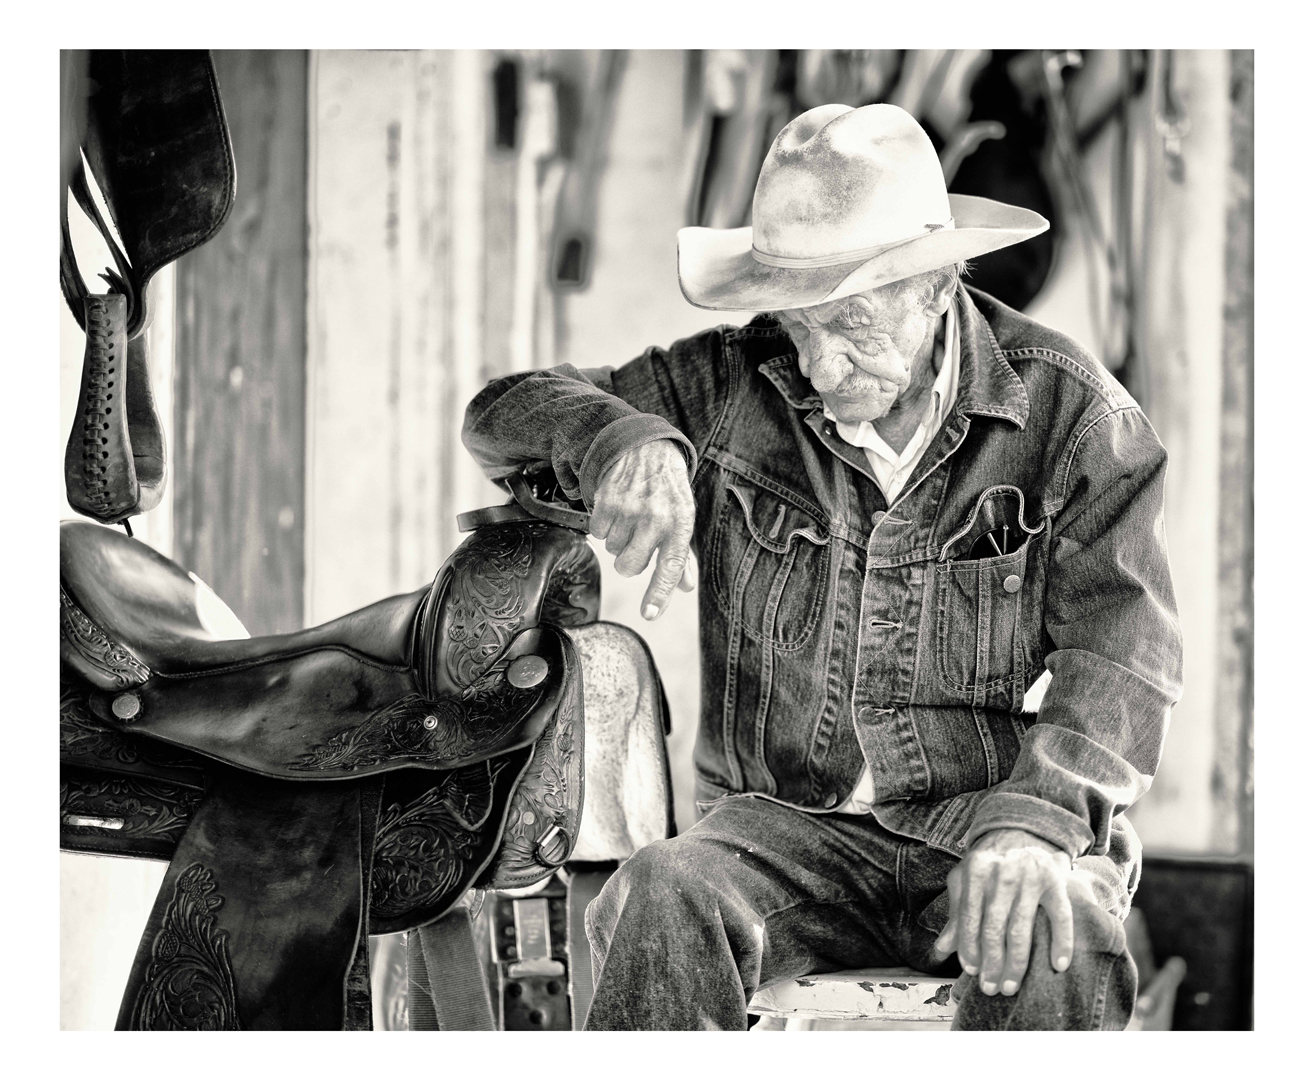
847,200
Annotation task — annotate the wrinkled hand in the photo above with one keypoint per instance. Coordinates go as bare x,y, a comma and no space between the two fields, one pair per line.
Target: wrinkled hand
644,504
994,894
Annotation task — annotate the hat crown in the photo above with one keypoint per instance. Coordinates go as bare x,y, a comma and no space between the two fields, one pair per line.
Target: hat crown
839,179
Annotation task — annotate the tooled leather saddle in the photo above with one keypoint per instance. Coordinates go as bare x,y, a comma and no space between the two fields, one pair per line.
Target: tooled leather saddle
310,789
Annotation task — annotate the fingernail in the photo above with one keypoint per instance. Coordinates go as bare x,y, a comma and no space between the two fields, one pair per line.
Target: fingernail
1061,964
1009,987
989,989
971,969
650,611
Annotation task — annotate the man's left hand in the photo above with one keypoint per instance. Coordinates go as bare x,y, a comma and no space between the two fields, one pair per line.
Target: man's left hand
994,894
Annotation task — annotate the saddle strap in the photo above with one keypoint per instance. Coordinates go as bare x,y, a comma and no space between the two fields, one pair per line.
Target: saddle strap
259,921
460,1001
581,887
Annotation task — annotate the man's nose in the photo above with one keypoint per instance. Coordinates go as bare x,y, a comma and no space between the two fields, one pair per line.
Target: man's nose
829,364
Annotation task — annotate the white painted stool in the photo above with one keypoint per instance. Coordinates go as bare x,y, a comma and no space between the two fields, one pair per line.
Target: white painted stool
886,998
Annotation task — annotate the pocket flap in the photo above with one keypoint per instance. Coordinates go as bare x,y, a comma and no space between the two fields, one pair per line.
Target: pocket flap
1001,506
774,523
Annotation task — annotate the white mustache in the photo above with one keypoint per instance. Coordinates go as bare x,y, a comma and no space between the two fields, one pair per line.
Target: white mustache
837,362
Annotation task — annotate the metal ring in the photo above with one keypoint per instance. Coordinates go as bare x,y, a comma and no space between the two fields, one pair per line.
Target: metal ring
553,862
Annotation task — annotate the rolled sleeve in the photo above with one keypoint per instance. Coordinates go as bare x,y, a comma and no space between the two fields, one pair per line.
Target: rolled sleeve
579,422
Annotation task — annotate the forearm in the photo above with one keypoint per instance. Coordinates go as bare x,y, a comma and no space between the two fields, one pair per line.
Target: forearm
562,419
580,422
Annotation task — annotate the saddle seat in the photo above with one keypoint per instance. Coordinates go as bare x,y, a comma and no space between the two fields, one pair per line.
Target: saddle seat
368,693
171,622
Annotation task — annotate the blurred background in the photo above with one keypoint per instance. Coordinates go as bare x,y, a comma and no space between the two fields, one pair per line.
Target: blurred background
409,225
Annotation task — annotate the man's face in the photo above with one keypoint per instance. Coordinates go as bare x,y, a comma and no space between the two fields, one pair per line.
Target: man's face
858,352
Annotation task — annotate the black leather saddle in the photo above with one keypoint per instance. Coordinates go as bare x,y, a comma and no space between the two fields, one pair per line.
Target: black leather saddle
150,127
310,789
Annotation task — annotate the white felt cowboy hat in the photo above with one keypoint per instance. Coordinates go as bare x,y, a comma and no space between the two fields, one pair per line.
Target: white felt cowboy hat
847,200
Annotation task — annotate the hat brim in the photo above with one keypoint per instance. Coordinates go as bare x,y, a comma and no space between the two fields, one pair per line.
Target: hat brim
717,269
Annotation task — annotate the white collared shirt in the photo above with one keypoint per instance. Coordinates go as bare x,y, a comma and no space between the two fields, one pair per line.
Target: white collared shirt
892,471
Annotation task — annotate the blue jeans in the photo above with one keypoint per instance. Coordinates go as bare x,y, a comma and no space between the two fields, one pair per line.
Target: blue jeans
756,892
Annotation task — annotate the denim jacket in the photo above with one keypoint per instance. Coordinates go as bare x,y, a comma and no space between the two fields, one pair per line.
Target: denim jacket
837,630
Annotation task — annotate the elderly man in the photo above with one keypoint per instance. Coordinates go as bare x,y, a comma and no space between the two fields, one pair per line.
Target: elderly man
907,502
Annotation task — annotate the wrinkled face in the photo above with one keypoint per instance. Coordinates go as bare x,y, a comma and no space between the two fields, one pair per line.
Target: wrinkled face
858,352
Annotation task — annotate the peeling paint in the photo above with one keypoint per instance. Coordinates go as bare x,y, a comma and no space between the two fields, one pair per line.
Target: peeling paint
941,995
806,982
897,986
868,987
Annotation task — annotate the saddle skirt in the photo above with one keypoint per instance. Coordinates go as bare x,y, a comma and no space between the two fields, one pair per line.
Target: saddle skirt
353,778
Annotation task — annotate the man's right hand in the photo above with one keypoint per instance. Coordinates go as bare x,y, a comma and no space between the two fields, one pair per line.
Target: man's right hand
644,504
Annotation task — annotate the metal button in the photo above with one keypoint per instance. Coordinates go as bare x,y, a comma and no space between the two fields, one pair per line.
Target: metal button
878,517
867,713
1012,583
831,800
430,722
126,706
526,671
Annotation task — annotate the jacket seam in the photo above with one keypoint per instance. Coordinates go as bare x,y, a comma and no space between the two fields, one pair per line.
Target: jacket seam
732,391
732,464
1066,363
1077,438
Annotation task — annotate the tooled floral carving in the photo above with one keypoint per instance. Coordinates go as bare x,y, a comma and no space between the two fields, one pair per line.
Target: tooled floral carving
544,797
148,809
188,984
81,735
423,849
571,596
485,605
424,732
91,643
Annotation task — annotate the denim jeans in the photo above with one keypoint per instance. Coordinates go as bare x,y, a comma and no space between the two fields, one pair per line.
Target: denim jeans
756,892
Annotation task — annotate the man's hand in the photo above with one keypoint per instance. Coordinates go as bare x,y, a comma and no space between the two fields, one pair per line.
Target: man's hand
644,504
993,896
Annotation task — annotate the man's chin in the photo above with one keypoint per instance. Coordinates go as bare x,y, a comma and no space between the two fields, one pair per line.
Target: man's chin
854,411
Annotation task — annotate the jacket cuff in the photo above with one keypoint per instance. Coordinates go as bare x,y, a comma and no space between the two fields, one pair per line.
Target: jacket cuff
621,436
1012,810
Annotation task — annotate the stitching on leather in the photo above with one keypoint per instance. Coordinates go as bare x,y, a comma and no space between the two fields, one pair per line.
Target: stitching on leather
99,356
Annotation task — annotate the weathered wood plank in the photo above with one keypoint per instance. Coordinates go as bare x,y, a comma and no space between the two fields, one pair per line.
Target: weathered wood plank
1234,725
863,994
238,484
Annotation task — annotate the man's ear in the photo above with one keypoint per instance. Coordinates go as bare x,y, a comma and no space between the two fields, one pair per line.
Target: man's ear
943,287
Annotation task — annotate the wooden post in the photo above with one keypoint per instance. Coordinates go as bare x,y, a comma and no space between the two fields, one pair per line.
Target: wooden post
238,481
1180,325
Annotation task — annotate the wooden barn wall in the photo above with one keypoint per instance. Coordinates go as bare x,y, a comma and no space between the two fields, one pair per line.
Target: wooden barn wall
238,483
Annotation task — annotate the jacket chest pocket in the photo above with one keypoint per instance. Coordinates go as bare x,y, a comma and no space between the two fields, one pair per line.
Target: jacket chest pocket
986,606
768,565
